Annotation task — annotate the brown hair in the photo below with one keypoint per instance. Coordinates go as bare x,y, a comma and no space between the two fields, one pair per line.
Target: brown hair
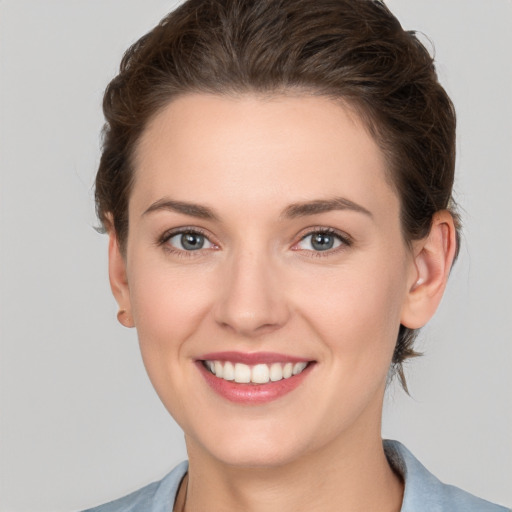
351,50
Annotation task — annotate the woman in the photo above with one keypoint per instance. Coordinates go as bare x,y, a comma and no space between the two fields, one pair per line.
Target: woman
276,185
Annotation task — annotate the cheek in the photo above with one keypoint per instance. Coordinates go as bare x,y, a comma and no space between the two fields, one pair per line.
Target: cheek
168,303
357,311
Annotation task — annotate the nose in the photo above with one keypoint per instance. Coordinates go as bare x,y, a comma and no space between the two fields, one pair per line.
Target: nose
251,301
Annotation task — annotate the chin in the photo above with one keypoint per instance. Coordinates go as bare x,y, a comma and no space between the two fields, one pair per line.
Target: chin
249,447
256,456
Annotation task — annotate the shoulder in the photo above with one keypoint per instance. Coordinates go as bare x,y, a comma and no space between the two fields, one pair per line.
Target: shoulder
156,497
424,492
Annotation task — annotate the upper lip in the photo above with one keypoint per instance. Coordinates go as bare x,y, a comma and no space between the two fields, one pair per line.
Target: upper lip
252,358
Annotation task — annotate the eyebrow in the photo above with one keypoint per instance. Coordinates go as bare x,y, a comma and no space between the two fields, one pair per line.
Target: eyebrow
292,211
323,205
194,210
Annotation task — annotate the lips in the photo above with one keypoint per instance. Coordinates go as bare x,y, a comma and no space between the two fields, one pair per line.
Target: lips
253,378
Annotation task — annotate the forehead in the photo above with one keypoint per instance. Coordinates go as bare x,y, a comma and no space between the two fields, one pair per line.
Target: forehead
209,148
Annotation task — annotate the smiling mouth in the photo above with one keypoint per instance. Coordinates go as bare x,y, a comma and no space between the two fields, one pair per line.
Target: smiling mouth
254,374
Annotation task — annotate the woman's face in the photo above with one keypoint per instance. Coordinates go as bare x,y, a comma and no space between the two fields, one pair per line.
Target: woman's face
264,234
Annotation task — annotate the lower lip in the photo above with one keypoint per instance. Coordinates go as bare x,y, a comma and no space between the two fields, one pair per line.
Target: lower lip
253,394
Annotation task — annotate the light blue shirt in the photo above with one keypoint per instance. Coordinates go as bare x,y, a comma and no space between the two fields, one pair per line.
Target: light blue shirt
423,491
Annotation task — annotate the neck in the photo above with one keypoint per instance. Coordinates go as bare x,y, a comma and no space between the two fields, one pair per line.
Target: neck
357,478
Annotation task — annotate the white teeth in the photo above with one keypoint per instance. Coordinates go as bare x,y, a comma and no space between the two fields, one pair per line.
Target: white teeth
260,374
257,374
276,372
242,373
228,372
298,367
218,369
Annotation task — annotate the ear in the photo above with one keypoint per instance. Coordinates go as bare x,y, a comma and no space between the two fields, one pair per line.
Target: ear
432,261
118,280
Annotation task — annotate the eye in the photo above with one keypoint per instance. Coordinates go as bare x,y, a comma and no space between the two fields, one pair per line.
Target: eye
189,241
320,241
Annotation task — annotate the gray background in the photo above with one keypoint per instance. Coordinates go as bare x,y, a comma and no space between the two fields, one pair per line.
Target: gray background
80,423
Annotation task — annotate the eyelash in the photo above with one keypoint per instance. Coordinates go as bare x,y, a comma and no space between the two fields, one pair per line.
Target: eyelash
345,240
162,241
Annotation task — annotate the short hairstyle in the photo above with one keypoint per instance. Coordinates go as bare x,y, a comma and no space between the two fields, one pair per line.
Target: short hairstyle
354,51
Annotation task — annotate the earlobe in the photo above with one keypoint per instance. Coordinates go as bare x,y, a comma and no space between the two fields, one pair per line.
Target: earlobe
119,281
433,258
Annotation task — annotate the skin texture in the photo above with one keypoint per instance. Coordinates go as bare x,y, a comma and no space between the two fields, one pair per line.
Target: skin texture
259,285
